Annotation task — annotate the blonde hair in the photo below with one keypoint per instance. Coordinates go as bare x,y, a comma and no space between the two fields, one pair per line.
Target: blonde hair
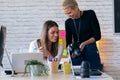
69,3
44,37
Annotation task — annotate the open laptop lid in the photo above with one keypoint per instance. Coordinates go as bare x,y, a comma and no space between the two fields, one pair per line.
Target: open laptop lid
19,60
75,68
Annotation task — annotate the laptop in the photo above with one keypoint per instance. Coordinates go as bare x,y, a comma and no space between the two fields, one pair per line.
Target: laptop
19,60
75,68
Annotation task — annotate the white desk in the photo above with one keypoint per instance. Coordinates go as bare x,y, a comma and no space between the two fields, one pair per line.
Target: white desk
58,76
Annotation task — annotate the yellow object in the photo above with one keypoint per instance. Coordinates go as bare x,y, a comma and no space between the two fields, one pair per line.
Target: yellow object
65,52
66,68
60,41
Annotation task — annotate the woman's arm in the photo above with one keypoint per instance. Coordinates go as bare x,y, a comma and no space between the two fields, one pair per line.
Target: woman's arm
60,52
33,45
68,32
95,28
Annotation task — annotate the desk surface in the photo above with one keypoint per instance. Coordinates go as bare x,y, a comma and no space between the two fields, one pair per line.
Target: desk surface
57,76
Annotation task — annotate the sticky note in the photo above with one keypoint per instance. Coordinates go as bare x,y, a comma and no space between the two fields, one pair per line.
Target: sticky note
60,41
62,34
65,52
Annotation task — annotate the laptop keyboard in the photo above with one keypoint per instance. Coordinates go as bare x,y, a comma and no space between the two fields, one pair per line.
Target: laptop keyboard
92,73
77,73
95,73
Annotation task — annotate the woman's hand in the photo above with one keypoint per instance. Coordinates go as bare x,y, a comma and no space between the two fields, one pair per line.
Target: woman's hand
82,46
44,51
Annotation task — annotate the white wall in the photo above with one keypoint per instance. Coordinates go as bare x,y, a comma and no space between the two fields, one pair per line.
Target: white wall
24,19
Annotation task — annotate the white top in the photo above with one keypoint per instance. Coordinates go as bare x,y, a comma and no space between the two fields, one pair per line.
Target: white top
34,45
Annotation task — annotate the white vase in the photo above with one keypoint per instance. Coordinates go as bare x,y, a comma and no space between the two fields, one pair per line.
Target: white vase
35,70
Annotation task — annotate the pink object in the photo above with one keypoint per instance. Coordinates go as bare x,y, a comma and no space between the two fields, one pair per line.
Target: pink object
55,59
62,34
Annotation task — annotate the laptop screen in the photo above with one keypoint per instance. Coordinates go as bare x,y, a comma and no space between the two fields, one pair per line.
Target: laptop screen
19,60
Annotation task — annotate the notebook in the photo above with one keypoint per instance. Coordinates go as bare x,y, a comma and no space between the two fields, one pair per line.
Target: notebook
19,60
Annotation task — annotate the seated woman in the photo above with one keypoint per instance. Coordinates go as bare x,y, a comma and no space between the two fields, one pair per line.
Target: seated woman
48,41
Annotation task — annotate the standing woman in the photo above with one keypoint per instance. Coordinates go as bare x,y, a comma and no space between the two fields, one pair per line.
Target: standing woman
82,27
48,41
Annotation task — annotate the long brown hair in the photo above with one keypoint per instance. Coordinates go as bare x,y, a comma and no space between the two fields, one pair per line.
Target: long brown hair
44,37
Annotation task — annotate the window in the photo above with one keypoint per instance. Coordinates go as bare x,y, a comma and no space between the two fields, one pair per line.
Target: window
117,16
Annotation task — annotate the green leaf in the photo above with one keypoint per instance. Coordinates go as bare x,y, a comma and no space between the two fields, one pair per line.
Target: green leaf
36,62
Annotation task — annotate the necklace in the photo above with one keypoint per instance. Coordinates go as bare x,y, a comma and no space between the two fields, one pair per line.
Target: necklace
77,30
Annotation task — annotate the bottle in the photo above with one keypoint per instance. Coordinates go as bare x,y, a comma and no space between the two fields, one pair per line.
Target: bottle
85,69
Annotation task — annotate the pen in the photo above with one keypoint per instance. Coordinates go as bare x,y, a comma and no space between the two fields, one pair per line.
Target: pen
50,58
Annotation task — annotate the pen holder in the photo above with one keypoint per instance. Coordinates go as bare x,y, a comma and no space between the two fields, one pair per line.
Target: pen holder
66,68
53,65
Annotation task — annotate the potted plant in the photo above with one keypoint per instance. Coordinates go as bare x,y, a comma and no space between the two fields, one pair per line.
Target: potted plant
36,68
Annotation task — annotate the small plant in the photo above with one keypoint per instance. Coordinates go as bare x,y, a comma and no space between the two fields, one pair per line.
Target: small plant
43,68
